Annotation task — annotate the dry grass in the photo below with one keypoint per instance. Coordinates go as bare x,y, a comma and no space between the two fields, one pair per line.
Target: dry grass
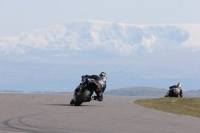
183,106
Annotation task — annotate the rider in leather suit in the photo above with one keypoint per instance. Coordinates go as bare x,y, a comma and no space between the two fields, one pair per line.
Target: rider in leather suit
99,94
176,86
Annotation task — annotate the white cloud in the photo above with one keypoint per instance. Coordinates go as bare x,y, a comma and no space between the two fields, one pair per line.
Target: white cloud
194,33
147,42
116,38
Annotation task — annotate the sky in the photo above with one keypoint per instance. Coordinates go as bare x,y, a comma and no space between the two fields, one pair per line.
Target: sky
24,16
21,18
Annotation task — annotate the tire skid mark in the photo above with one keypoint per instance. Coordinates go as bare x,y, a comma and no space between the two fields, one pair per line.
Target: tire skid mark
6,123
44,129
20,121
34,128
50,130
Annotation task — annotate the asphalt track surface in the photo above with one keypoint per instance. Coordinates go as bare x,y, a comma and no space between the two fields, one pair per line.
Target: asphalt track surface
52,113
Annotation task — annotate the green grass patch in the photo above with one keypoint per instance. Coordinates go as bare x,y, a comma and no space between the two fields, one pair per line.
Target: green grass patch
183,106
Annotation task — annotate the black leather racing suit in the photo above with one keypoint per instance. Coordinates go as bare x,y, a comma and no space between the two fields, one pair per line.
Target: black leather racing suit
99,94
175,86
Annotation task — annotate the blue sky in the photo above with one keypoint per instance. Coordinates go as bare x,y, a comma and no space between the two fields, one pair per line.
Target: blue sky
39,69
24,16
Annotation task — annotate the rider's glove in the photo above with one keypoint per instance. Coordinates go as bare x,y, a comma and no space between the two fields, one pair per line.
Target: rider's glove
84,76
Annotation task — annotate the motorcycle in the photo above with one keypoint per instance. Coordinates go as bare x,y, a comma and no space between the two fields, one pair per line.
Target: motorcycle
85,93
174,92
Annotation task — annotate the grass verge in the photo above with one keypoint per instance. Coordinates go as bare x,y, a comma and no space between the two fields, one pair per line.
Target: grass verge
183,106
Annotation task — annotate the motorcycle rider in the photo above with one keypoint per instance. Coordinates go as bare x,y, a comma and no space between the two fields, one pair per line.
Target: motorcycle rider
176,86
99,94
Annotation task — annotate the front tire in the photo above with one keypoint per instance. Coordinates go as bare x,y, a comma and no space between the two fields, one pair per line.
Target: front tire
72,102
82,98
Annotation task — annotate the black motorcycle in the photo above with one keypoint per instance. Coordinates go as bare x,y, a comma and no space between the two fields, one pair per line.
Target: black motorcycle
173,92
85,93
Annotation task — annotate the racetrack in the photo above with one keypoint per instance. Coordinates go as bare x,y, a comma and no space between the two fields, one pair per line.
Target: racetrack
52,113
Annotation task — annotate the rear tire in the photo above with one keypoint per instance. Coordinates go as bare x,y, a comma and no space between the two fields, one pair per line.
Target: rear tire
82,98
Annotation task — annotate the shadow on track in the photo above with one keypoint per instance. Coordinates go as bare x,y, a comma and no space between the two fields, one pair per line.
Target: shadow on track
67,105
59,104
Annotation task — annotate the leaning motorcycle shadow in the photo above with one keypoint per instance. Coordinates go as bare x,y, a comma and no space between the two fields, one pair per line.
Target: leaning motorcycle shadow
69,105
59,104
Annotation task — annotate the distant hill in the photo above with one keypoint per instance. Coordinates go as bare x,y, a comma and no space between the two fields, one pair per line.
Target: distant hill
11,91
133,91
192,93
148,91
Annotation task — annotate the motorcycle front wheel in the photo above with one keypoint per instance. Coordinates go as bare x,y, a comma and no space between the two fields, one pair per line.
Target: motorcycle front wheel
82,98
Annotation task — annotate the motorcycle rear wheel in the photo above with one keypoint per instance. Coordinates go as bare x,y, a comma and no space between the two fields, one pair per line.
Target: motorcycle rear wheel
82,98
